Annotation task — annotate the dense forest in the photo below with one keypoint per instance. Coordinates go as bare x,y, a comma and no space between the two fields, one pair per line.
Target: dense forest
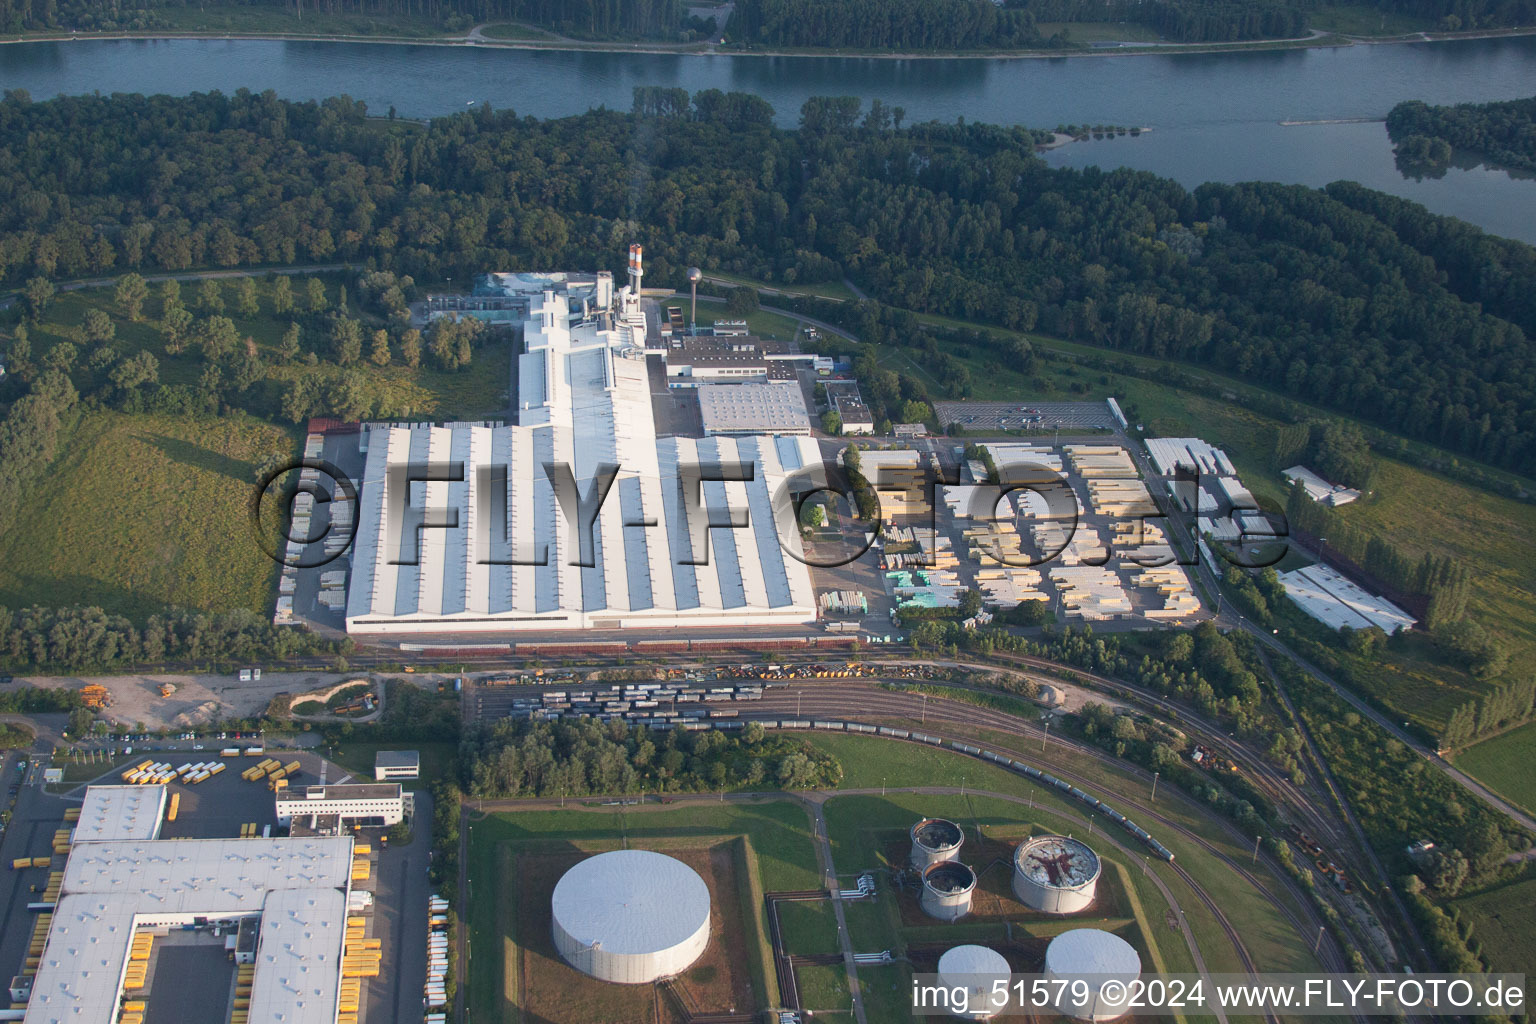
88,638
515,758
1502,133
587,19
1342,297
983,25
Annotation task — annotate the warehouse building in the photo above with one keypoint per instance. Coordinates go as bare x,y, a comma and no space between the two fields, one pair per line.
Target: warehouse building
115,892
733,410
320,808
494,547
630,916
1332,599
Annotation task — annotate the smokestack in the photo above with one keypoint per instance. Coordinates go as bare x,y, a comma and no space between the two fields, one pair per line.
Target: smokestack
694,275
636,271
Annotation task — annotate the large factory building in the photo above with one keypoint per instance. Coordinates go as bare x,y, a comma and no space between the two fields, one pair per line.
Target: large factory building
492,548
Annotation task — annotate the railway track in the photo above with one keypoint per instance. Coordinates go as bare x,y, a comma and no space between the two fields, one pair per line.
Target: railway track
863,703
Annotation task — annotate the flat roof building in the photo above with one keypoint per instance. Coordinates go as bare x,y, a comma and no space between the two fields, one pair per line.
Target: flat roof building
378,803
512,560
120,812
743,409
112,889
396,764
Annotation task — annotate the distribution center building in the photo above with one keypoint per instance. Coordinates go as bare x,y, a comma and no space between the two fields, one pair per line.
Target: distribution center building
112,890
488,544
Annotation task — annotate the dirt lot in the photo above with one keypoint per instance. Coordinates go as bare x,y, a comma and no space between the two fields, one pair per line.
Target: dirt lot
198,698
552,991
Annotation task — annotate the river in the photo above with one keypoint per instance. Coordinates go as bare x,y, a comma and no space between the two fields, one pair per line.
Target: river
1213,116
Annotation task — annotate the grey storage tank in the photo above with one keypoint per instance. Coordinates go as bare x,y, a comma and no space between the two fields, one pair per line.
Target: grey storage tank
1055,874
935,840
947,888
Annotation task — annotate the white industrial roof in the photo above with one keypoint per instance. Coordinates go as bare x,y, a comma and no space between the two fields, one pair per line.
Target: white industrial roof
752,408
584,402
1091,951
110,887
972,960
631,902
1336,602
207,876
120,812
1168,452
298,958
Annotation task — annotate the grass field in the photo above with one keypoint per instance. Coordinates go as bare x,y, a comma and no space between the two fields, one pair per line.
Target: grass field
1501,925
139,513
436,759
1505,764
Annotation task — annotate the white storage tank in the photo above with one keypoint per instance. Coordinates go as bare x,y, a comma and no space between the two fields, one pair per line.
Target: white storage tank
976,969
935,840
947,888
1055,874
630,916
1093,957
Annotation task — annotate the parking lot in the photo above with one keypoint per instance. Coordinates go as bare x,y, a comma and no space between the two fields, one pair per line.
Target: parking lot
1025,417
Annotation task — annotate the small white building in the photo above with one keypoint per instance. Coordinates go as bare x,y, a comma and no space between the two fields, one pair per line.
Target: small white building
396,764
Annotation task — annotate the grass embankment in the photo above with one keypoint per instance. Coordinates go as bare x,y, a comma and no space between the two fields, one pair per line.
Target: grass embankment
515,33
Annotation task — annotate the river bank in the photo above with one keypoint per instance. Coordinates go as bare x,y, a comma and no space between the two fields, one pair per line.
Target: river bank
474,40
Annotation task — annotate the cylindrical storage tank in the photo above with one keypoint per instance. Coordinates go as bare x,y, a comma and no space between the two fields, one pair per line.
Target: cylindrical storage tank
1055,874
1092,957
947,888
935,840
975,969
630,916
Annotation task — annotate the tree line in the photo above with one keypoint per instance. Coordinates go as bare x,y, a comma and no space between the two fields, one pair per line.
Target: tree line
1339,297
588,19
88,638
1503,133
586,757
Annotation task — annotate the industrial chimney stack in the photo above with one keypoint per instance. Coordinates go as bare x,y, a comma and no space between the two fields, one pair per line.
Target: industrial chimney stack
636,271
694,276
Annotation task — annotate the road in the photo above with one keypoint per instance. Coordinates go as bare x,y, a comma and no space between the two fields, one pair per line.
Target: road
817,804
190,275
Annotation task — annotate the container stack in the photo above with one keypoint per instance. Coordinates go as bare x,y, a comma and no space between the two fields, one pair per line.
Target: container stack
437,953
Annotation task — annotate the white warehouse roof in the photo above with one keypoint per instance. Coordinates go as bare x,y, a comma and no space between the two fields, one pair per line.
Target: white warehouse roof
111,888
753,409
584,402
120,812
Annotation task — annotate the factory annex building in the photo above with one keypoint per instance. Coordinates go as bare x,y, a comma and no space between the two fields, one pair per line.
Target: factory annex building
512,558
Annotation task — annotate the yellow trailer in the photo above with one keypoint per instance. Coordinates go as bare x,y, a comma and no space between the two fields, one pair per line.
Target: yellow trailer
170,813
41,862
291,767
21,862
